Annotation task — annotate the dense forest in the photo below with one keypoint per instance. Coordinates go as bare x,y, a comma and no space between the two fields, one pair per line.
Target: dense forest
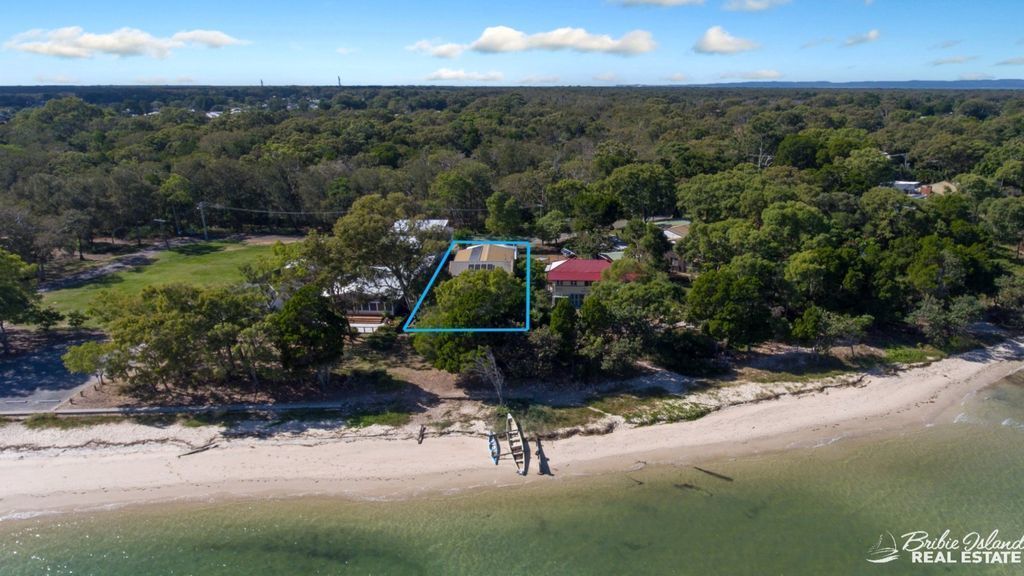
797,234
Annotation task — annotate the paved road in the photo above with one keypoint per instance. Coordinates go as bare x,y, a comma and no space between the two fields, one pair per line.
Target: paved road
37,380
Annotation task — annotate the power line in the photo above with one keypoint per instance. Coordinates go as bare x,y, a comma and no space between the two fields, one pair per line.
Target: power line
306,212
272,212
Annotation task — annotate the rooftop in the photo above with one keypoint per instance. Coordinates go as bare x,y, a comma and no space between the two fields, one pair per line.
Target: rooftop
486,253
579,270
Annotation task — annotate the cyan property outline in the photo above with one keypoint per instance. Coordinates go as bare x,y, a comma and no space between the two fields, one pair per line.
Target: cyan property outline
406,327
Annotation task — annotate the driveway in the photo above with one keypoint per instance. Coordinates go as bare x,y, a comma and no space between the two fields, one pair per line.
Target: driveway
37,380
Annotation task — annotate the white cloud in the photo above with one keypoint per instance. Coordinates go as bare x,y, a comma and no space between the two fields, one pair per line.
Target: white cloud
975,76
540,79
437,49
945,44
869,36
754,75
1018,61
74,42
953,60
55,79
661,2
717,41
677,77
461,75
505,39
497,39
813,42
344,51
606,77
208,38
753,5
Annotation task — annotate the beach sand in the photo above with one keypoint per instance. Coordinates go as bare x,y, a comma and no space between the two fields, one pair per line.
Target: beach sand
375,465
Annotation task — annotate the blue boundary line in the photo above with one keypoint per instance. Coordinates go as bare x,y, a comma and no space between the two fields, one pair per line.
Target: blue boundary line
412,315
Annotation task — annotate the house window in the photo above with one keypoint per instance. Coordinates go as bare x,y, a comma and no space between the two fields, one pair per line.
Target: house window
572,283
587,283
576,300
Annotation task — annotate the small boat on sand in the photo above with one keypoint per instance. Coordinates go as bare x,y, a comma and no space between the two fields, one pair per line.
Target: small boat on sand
492,443
516,444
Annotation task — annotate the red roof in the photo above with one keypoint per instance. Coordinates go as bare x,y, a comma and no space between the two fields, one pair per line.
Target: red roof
579,270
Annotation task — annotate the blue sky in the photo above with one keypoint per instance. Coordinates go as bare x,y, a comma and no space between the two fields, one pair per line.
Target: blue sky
454,42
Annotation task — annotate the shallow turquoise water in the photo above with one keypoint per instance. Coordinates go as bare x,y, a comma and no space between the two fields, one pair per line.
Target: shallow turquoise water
808,511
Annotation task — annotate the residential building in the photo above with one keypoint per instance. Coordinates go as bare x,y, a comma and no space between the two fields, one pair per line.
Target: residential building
484,257
370,302
573,279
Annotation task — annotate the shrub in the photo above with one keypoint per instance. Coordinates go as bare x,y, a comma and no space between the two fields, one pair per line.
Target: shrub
384,339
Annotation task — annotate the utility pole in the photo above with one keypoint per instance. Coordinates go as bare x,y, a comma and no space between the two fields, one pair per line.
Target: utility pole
202,214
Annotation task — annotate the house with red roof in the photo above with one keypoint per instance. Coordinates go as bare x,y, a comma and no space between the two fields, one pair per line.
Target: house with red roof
573,278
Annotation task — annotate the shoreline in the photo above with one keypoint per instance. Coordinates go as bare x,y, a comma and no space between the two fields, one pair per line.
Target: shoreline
381,467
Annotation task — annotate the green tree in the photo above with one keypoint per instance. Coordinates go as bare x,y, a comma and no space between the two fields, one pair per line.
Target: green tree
943,323
503,215
825,328
473,299
460,192
714,197
17,297
1009,300
647,244
643,190
88,358
310,333
594,208
563,327
798,150
866,168
612,154
1011,173
550,227
1005,217
381,239
176,195
730,306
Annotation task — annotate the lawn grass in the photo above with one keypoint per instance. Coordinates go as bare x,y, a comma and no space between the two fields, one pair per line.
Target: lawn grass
203,264
44,421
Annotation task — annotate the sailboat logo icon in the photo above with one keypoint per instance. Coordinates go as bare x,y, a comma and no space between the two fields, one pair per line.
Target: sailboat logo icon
884,550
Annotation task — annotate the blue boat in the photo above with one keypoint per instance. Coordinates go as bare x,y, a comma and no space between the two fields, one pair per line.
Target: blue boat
492,442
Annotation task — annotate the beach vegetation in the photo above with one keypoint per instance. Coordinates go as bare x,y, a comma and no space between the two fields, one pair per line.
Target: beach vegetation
913,354
650,406
52,421
391,416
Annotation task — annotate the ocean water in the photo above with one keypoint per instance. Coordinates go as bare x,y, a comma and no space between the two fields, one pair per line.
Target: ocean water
805,511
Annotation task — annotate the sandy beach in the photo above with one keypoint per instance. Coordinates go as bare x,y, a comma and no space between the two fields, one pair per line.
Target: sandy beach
64,473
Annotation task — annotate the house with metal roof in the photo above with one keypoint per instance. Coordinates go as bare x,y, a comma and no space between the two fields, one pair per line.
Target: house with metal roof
484,257
573,279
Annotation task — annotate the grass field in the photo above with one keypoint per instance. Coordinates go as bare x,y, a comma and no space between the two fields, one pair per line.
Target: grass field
205,264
